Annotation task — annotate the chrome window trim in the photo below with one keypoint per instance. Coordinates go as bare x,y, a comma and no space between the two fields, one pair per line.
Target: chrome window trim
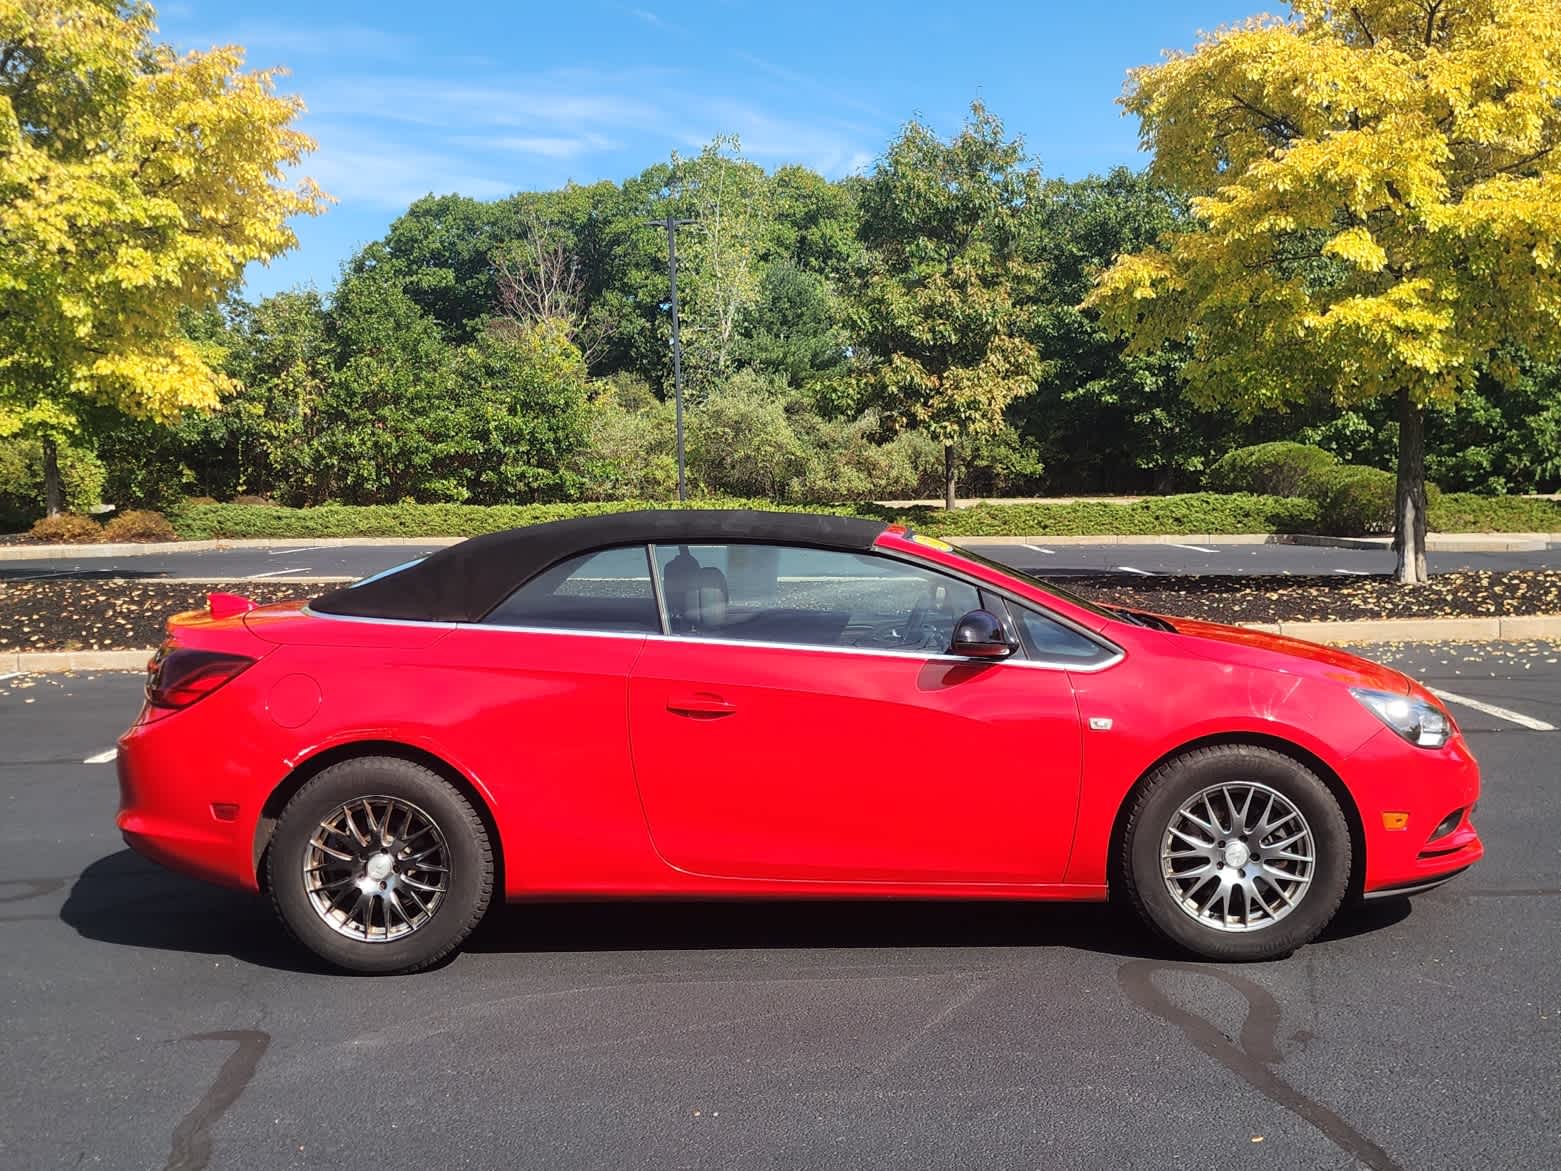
570,632
426,623
919,656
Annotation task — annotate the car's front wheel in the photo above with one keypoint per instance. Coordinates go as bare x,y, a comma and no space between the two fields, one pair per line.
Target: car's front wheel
1236,852
380,866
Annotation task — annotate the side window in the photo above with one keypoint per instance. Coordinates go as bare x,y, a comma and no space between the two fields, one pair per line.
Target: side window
810,597
609,591
1050,641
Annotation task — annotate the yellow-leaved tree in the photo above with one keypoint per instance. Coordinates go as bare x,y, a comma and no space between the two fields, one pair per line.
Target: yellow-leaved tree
1377,203
135,183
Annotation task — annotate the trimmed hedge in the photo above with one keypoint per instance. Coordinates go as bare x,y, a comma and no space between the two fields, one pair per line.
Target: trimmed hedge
1464,512
1203,512
1281,468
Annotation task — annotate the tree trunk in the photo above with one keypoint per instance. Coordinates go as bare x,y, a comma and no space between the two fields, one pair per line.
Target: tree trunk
53,486
1409,508
948,475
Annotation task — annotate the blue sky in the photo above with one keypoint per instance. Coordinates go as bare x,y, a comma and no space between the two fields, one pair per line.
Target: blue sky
487,97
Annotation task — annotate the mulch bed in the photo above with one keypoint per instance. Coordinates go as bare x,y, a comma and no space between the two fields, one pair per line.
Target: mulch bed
105,614
1331,598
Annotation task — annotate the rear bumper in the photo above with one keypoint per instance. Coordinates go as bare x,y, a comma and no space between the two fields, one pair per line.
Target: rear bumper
185,800
1405,795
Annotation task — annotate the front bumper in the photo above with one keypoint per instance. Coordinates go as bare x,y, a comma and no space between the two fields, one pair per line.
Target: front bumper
1406,796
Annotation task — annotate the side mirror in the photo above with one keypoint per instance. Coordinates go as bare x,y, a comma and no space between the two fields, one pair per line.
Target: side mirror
980,635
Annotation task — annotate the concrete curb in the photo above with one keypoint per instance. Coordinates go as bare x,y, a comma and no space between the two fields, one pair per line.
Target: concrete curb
1435,542
1520,628
1440,542
41,661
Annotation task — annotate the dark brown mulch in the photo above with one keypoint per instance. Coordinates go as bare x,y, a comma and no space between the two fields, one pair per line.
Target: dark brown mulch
110,614
106,614
1482,594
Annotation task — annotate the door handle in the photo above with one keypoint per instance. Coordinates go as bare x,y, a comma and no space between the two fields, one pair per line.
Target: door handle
702,705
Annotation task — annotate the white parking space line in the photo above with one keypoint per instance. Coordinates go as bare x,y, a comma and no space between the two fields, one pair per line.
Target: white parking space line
1355,572
102,757
1501,713
1194,548
1038,549
284,552
1130,569
10,675
278,572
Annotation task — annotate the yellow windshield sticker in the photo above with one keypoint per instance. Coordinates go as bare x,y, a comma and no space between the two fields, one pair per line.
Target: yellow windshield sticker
932,543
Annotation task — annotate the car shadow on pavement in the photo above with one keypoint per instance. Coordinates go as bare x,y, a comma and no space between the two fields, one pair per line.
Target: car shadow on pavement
124,899
833,923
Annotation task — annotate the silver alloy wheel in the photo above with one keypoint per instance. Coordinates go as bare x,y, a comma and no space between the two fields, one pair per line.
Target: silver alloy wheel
376,869
1238,856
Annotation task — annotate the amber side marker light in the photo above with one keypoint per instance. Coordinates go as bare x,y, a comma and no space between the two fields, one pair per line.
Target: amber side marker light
1395,821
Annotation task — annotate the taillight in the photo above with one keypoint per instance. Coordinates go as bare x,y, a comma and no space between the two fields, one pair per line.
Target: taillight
178,676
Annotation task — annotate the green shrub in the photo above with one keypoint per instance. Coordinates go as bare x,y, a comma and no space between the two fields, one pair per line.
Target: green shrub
69,528
139,525
21,481
1464,512
1198,512
1270,469
1353,500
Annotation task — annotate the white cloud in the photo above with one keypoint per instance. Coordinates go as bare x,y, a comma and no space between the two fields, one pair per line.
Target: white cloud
264,40
548,146
389,175
566,116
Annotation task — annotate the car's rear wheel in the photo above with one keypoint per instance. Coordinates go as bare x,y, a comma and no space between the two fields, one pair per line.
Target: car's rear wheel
1236,852
378,865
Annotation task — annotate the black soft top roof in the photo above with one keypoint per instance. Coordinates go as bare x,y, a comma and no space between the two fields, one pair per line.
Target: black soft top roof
465,581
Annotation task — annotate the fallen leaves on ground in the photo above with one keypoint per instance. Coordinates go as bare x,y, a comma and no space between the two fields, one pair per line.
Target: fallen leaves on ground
64,614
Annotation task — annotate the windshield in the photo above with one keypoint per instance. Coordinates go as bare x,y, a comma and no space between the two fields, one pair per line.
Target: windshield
1049,586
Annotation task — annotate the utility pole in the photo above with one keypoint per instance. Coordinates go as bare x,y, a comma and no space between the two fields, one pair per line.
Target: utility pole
671,224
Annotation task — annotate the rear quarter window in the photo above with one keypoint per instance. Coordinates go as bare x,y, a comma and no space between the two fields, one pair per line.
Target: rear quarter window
606,591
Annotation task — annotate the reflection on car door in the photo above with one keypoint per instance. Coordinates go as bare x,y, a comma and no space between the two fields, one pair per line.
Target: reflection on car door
856,763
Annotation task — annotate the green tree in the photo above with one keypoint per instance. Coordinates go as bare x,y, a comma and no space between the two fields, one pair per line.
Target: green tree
718,254
792,329
387,426
521,401
135,185
935,312
813,222
1377,189
1100,415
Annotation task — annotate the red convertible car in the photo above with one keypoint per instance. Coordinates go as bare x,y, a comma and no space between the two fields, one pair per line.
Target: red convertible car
698,704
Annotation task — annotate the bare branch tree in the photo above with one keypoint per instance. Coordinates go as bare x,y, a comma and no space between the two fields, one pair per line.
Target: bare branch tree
541,279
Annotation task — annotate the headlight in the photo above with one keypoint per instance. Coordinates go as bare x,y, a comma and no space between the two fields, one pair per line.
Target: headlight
1421,723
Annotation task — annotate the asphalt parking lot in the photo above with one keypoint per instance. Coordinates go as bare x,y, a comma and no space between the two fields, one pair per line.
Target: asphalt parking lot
151,1022
355,561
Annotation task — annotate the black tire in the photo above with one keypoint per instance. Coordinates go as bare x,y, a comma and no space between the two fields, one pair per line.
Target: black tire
1182,778
469,854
